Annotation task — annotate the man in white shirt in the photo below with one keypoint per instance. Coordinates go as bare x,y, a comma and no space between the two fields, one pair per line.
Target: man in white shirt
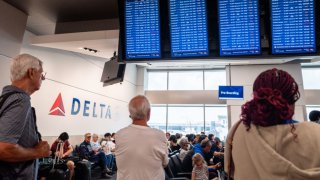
108,147
96,147
141,151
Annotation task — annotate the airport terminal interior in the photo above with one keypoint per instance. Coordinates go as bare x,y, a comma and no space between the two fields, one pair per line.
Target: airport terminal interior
195,60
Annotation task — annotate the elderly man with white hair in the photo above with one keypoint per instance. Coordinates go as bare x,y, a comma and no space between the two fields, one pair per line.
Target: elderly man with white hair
20,141
141,151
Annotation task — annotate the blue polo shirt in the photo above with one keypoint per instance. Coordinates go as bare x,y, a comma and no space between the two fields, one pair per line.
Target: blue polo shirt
17,126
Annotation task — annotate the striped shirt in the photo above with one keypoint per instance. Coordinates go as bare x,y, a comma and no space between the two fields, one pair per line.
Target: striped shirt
17,126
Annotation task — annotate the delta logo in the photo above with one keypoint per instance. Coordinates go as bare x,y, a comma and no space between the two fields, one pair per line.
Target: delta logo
88,109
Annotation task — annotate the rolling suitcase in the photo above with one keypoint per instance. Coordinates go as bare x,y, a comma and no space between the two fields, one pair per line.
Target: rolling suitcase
83,170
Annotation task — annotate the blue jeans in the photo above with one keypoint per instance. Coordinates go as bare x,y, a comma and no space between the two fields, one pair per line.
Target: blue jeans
110,161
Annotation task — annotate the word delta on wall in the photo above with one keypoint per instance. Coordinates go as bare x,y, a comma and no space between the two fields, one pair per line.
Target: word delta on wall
80,107
90,109
163,30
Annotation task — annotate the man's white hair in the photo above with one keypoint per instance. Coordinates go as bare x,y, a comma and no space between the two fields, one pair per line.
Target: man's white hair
139,107
21,64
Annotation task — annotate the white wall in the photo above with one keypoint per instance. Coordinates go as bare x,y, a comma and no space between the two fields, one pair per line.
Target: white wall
75,75
245,76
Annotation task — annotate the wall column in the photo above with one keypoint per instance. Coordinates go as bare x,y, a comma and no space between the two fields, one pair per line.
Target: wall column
245,76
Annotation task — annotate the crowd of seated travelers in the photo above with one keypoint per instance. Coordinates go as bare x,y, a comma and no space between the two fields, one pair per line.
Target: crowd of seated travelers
100,152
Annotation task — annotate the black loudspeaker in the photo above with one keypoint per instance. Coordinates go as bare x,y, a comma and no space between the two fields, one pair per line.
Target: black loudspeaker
113,72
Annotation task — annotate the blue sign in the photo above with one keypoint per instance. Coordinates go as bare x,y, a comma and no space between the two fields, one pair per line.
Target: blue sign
230,92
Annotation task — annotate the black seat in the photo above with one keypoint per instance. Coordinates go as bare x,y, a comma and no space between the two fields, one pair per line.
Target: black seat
177,162
169,174
176,170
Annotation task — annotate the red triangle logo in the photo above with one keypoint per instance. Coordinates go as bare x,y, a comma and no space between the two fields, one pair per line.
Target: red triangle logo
57,108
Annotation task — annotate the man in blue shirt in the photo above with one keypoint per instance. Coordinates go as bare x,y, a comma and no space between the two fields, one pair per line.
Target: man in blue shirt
20,142
86,152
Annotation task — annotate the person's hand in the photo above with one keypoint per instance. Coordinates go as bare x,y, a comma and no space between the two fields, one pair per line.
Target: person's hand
42,149
217,154
218,165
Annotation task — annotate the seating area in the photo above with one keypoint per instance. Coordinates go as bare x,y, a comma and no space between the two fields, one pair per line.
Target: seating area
174,169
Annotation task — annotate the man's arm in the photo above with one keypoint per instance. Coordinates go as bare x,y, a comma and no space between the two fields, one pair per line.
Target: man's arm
15,153
70,150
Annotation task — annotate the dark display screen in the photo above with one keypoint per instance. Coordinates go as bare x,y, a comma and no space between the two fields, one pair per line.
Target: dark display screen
188,28
239,27
293,26
142,29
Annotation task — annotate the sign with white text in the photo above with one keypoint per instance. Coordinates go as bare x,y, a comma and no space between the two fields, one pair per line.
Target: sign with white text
230,92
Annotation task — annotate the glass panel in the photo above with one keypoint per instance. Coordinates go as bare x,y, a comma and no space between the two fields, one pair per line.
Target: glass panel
309,75
185,119
158,117
217,121
157,81
212,79
186,80
311,108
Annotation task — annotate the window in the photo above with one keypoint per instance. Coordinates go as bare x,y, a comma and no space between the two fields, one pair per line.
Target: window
186,80
216,118
309,75
157,80
213,79
158,117
185,119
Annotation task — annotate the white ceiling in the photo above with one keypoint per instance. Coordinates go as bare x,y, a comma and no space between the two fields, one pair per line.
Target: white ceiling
106,42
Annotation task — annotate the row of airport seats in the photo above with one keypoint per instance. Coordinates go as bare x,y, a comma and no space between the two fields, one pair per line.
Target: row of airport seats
174,169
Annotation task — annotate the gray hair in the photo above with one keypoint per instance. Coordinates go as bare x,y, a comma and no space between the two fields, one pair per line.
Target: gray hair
139,107
21,64
183,141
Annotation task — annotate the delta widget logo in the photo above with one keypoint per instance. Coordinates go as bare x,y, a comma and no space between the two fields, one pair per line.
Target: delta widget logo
57,108
84,108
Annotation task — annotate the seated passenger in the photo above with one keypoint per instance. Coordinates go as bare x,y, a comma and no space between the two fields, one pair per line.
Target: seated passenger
314,116
94,143
204,150
61,148
86,152
267,143
174,146
184,144
108,147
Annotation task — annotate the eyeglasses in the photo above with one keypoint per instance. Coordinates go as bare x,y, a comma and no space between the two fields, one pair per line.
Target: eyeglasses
43,75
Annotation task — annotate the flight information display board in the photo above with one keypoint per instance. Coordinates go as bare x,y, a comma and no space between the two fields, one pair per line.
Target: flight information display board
293,26
142,29
188,28
239,28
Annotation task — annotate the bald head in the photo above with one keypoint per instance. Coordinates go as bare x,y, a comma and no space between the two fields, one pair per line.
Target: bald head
139,108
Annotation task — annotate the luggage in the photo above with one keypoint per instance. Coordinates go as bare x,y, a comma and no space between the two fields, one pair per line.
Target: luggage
58,174
83,170
59,169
